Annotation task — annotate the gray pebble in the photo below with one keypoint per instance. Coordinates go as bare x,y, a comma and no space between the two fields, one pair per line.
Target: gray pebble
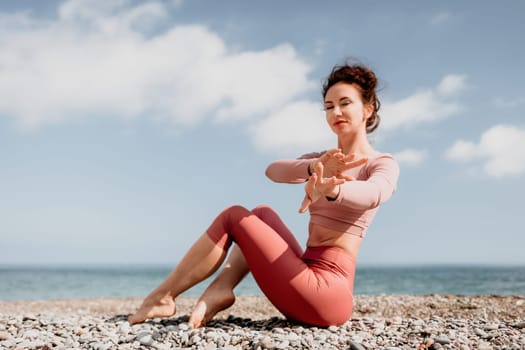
196,339
144,338
184,326
267,342
355,345
31,334
484,346
442,339
479,332
160,346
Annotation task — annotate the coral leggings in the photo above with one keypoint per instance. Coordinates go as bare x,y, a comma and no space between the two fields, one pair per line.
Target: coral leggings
314,287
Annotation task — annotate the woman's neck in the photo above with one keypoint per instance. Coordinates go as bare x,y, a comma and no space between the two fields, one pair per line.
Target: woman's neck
358,144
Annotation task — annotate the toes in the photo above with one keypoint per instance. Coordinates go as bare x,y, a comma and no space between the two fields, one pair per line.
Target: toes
134,319
198,314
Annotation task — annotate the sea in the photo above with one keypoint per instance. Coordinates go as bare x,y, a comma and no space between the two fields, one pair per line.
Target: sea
61,282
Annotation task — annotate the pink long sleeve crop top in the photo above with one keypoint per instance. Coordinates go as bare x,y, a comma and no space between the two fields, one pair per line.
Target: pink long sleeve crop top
356,205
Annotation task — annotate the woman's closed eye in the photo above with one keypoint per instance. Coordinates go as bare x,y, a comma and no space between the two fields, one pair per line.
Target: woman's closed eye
343,104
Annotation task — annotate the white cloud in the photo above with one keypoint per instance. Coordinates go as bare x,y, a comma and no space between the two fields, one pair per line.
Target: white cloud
451,84
411,157
295,127
104,57
256,82
425,106
463,150
500,148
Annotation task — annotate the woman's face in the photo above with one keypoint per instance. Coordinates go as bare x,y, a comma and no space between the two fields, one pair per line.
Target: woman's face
345,112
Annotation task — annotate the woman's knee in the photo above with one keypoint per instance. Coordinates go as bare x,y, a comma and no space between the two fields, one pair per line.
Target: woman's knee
222,227
259,211
233,214
236,208
263,211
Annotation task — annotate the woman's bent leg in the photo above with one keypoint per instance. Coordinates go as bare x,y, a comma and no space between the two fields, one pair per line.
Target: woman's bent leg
276,264
219,294
202,260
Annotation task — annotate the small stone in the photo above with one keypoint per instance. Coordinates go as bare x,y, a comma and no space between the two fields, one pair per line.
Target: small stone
419,323
195,339
184,326
285,344
480,333
105,346
29,317
7,344
292,337
210,346
267,342
397,320
23,345
160,346
520,325
442,339
355,345
31,334
144,338
278,330
84,338
4,335
491,327
484,346
124,328
427,330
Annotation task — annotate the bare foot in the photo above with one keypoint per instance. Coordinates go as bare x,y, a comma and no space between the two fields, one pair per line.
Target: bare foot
152,307
210,303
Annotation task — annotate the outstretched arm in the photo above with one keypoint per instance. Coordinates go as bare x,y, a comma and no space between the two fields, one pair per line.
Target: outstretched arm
299,170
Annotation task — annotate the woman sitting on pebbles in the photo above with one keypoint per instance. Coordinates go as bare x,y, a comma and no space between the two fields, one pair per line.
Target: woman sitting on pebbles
344,187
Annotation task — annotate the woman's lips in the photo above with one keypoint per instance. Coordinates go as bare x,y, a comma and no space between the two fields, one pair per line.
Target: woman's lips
339,122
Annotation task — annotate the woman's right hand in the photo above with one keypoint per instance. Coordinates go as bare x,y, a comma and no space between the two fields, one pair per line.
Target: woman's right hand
319,185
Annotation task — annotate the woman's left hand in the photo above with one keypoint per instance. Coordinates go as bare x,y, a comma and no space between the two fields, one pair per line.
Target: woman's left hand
319,186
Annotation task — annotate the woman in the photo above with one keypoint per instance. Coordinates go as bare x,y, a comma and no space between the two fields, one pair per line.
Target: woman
344,187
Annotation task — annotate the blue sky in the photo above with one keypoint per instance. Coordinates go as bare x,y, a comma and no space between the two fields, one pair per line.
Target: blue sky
126,126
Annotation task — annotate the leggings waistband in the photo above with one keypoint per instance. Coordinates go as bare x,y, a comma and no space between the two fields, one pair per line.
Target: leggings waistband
330,257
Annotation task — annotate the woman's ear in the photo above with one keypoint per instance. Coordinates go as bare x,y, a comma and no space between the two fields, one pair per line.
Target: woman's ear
367,111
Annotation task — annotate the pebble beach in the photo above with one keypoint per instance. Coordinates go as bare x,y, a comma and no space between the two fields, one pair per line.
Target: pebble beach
389,322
